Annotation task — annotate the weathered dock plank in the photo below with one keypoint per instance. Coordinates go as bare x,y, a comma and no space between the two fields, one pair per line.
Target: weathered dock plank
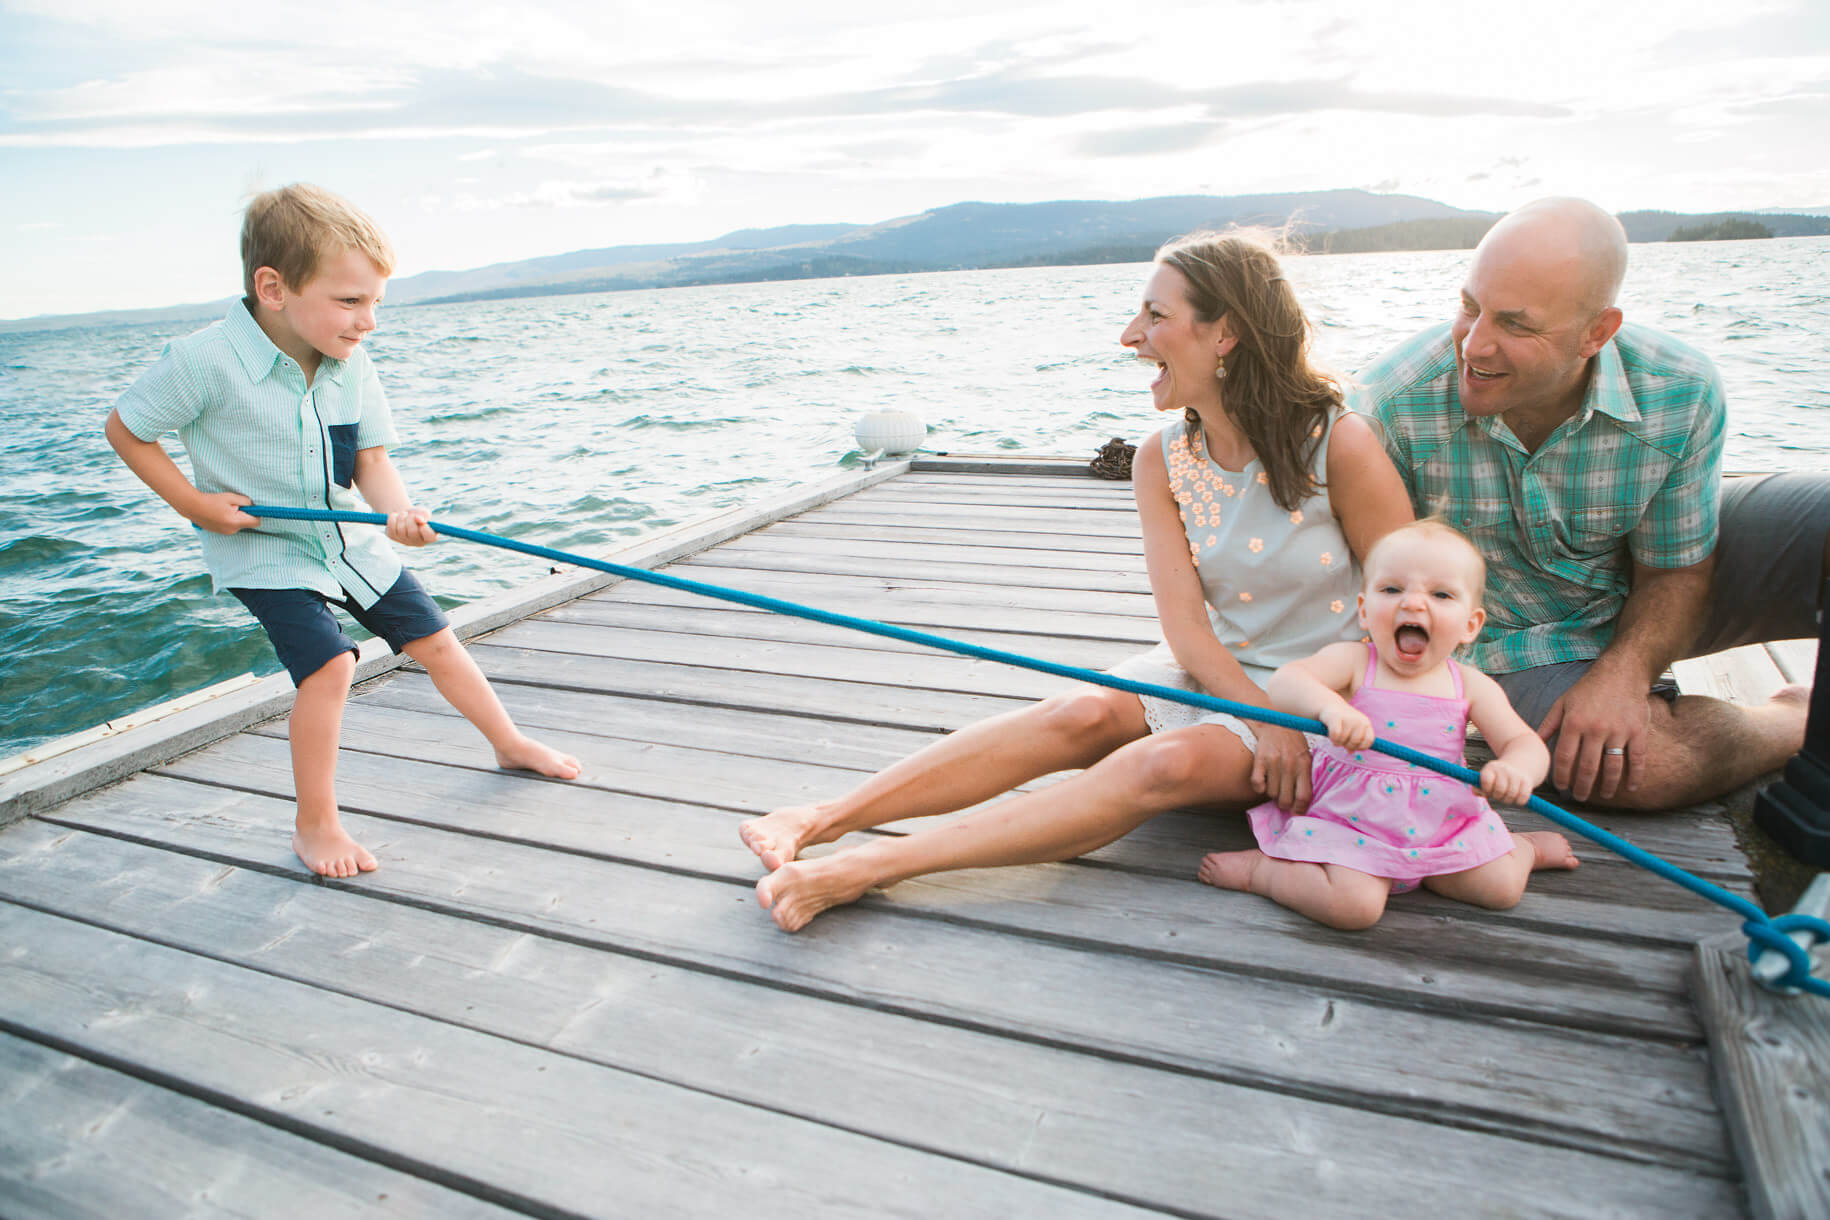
1740,675
988,534
550,1130
102,1144
631,615
562,998
1597,984
899,553
1795,659
952,568
964,518
828,757
1161,1137
1325,1043
1772,1067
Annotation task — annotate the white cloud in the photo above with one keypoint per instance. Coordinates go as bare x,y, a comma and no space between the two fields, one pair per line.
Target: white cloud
681,123
659,185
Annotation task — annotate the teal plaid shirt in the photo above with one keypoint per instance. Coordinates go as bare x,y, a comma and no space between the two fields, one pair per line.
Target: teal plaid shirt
251,425
1635,475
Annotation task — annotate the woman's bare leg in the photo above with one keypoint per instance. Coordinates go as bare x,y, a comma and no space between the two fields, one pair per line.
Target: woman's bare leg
1202,765
974,764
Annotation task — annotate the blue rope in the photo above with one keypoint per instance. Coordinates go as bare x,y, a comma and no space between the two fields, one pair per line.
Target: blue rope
1761,930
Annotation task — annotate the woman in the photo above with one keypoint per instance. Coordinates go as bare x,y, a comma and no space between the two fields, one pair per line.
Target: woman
1255,508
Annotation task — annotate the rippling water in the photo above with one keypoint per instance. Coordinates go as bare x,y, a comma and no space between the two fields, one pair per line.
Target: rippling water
583,422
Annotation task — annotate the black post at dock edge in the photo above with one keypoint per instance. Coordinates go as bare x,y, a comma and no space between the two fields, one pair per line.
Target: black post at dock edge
1796,810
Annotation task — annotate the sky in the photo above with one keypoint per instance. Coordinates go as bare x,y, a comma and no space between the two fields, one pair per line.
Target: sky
133,131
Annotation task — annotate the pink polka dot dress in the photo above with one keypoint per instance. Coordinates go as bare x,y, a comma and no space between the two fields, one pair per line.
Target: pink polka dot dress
1371,812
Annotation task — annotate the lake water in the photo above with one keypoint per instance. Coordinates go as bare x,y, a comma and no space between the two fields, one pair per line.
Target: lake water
582,422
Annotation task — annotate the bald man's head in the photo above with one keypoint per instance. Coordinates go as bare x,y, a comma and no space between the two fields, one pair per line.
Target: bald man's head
1538,304
1584,242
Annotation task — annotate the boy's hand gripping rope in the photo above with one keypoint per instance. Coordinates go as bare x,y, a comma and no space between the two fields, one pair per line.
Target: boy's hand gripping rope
1791,937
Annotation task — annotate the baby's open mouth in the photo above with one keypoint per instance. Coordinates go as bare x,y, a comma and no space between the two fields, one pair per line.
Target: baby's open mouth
1411,640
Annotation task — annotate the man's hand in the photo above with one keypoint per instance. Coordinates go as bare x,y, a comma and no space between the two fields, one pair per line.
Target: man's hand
1280,767
1600,725
409,527
220,512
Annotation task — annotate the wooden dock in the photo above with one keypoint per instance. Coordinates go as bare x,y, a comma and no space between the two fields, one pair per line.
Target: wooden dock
562,999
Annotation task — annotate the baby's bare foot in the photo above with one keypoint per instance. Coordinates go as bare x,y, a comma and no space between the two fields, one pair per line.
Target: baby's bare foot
526,754
1550,849
778,836
797,891
1229,870
329,851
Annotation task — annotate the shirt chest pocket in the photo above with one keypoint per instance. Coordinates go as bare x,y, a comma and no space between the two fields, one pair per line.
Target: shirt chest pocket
1597,529
1486,520
342,453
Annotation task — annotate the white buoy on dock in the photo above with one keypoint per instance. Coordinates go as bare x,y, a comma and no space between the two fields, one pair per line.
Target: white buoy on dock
887,430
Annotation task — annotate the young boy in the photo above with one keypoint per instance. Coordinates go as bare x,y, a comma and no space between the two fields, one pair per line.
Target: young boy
278,404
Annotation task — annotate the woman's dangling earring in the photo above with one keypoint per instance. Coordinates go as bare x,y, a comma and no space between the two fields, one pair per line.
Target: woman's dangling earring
1220,372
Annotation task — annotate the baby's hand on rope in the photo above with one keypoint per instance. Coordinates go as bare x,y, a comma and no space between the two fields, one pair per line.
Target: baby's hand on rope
1504,784
220,512
410,528
1348,727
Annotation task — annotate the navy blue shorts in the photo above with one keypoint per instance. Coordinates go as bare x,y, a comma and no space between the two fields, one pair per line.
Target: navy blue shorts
307,636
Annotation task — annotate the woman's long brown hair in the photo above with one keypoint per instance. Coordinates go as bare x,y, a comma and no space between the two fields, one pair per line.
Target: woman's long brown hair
1280,401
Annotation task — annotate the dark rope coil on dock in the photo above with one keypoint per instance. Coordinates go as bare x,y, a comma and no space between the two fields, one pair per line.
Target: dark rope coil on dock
1114,459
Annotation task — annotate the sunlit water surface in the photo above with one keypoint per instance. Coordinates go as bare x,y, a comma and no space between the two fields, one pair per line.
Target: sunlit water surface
582,422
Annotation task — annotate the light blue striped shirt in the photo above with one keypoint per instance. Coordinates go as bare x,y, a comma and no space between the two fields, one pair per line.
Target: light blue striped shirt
1635,475
251,425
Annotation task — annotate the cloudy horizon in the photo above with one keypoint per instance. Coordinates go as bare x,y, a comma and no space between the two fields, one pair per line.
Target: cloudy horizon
130,137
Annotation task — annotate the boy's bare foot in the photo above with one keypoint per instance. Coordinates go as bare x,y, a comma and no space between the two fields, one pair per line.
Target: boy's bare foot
1551,849
1229,870
530,755
797,891
329,852
778,836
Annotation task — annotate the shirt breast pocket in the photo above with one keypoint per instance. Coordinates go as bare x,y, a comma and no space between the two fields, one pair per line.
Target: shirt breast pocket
1486,520
1598,529
342,453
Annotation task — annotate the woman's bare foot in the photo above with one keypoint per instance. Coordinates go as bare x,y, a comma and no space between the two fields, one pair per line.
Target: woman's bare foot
1229,870
1550,849
798,890
526,754
778,836
328,851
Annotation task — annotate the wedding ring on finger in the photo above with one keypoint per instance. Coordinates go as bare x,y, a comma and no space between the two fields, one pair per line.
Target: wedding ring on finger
1616,751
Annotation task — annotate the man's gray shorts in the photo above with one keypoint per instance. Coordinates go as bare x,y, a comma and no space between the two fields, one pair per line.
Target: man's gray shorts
1769,571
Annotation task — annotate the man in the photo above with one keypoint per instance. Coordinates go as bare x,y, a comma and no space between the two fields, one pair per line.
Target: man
1584,456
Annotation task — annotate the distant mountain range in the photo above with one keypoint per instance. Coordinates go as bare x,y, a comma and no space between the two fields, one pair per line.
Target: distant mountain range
969,235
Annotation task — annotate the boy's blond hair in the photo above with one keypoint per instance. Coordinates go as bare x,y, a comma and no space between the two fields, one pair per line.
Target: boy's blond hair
295,228
1437,527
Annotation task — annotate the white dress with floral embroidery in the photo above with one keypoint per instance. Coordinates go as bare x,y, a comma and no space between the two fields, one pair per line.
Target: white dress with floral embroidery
1280,585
